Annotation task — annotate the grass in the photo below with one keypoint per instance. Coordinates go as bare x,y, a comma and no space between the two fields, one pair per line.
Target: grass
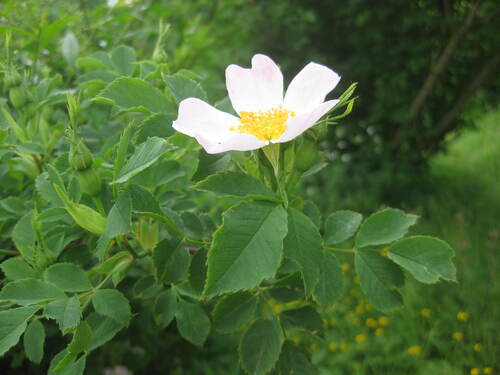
447,328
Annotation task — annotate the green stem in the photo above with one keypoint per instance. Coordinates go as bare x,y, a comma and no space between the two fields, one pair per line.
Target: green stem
99,206
9,252
340,250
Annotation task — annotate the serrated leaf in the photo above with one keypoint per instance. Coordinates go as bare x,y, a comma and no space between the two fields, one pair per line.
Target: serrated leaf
234,311
143,200
156,125
33,341
379,278
330,286
303,245
123,58
171,261
192,322
294,362
312,211
68,277
341,226
165,308
260,347
305,318
209,164
82,338
144,156
247,248
30,291
103,329
66,312
113,304
428,259
119,220
183,87
13,324
236,184
135,94
16,269
24,237
384,227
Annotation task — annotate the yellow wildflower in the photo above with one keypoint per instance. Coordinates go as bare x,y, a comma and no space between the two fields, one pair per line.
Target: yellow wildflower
277,309
379,331
332,347
488,370
372,323
414,350
296,340
475,371
457,336
383,320
360,338
314,347
462,316
426,313
346,267
477,347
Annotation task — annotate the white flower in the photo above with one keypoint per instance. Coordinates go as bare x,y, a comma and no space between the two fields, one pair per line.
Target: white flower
264,114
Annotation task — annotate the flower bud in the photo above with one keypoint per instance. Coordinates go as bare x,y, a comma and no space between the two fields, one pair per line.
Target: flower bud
90,182
306,156
159,55
17,96
146,232
80,157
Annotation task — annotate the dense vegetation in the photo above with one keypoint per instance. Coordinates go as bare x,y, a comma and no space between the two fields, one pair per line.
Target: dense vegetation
88,95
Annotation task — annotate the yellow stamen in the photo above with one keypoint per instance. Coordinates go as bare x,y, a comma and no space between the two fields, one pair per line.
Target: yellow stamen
265,125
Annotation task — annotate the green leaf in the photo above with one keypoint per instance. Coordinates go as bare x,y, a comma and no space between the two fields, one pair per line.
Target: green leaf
379,278
30,291
33,341
236,184
171,261
68,277
313,212
384,227
234,311
330,286
165,308
103,329
294,362
113,304
192,322
156,125
123,59
183,87
24,237
260,347
428,259
247,248
303,245
16,269
121,152
82,338
210,164
143,200
69,48
198,270
144,156
146,287
13,324
119,220
341,226
192,225
66,312
134,94
306,318
64,364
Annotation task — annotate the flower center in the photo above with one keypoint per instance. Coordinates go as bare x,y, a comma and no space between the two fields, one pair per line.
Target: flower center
265,125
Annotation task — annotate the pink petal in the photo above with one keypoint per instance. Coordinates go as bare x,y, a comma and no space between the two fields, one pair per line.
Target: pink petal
211,128
309,88
295,126
258,88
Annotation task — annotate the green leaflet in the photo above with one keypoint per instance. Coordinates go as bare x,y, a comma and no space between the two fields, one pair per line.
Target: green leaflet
247,248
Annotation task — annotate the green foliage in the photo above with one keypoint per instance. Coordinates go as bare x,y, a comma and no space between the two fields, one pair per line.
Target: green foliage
122,227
